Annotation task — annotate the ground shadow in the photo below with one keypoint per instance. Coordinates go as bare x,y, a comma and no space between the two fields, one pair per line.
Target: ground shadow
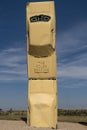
83,123
24,119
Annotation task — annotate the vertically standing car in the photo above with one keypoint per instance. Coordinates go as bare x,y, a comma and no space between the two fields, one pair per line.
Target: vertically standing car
41,61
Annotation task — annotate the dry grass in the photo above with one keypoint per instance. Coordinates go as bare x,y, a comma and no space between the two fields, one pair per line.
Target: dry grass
74,119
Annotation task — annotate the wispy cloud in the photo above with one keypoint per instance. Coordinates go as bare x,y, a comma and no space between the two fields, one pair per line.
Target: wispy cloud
13,64
73,38
73,72
72,56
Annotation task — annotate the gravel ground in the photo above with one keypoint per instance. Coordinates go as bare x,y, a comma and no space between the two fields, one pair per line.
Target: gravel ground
21,125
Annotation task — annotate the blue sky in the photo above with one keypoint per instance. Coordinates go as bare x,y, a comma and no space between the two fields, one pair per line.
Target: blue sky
71,46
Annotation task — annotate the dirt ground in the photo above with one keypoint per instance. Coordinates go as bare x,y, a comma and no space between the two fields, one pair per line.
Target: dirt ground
21,125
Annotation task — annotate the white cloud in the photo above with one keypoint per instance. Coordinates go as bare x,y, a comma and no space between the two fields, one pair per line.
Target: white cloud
72,56
13,65
73,67
73,72
12,57
73,38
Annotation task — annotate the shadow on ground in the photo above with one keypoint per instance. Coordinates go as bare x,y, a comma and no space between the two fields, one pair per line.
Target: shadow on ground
83,123
24,119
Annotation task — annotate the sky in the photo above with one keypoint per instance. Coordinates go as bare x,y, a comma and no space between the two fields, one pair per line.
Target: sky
71,47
